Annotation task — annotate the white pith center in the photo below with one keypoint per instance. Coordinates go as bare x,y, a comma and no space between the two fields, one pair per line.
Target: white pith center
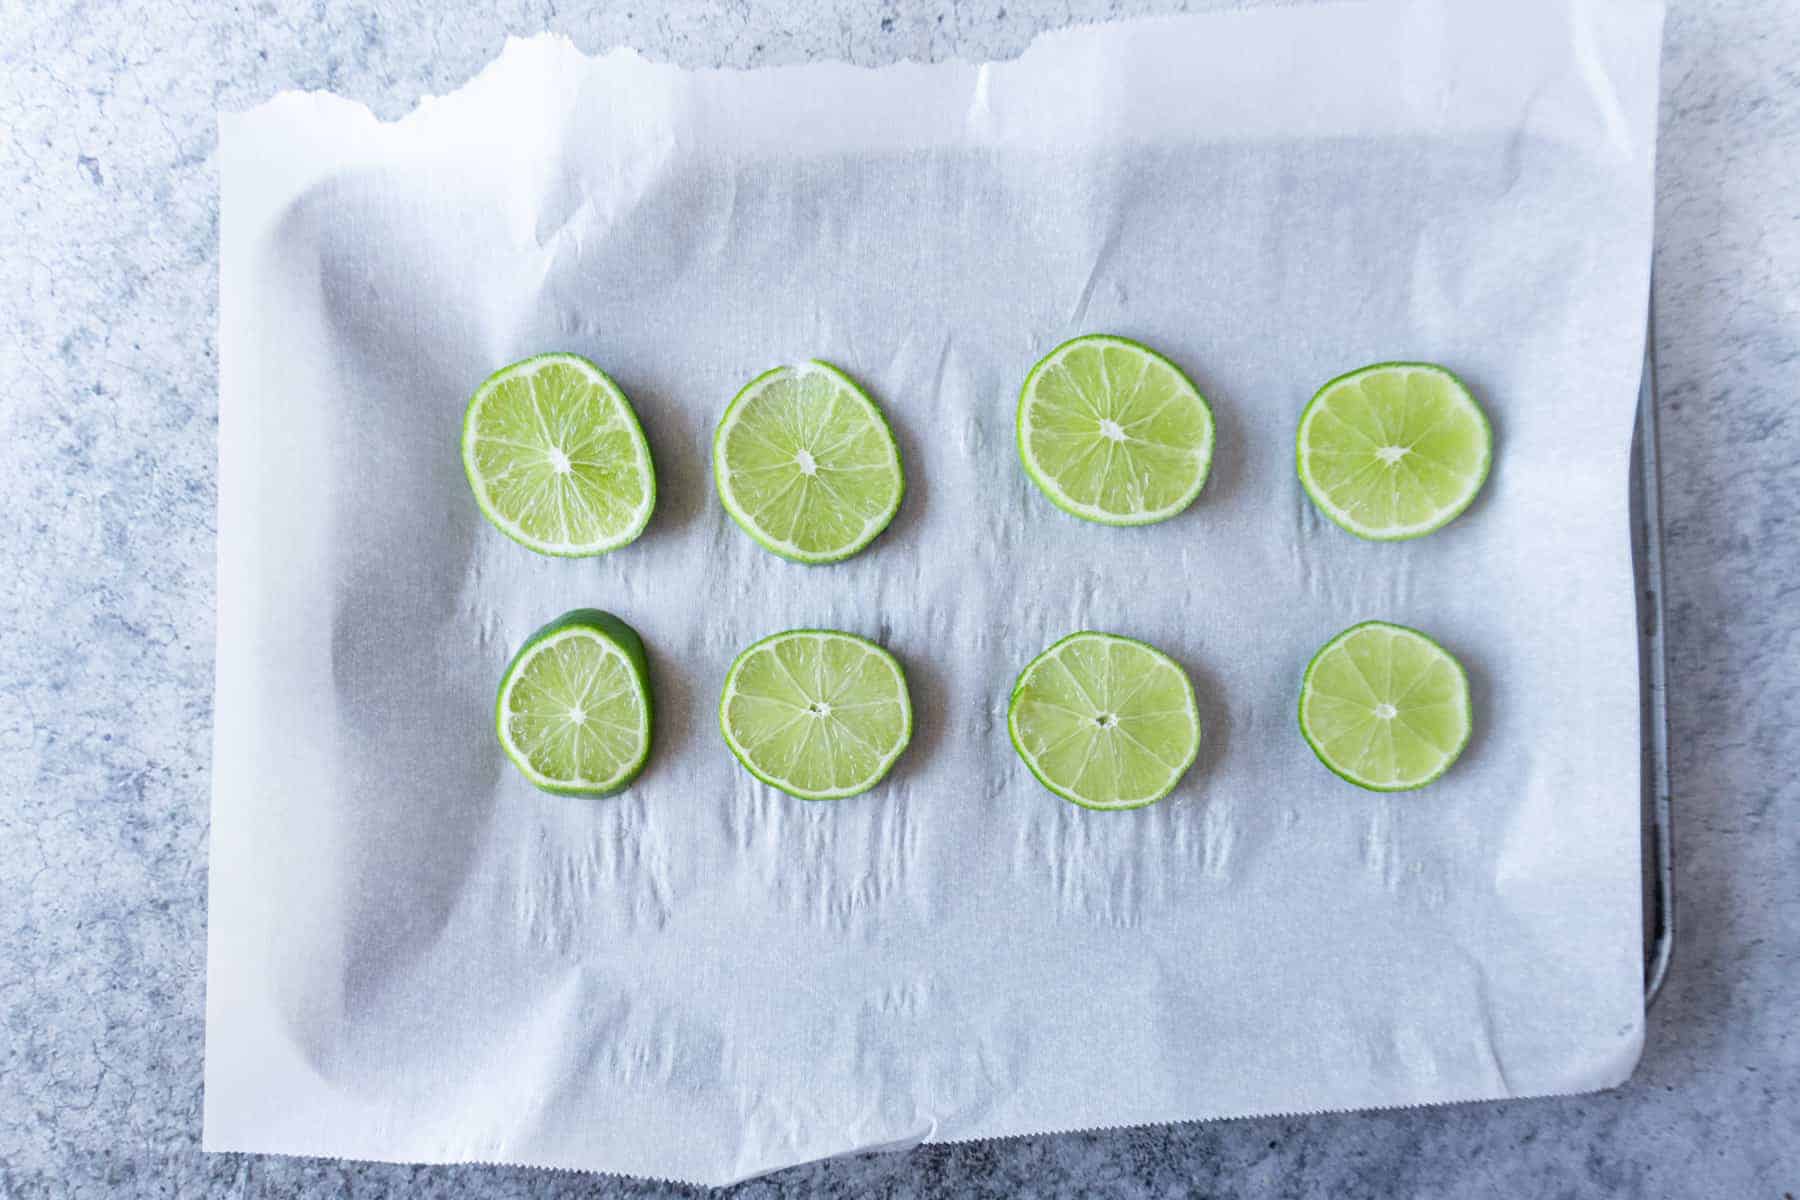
1386,712
1111,429
559,461
819,708
1391,454
578,715
808,464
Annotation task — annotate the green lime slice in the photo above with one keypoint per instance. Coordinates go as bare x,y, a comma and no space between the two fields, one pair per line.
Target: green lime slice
1394,451
819,714
574,708
806,463
1385,707
556,457
1105,721
1113,432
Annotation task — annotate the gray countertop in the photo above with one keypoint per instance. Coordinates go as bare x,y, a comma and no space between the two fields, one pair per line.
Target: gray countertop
108,296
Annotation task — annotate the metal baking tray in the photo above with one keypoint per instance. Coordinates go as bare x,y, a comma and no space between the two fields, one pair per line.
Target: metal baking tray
1647,564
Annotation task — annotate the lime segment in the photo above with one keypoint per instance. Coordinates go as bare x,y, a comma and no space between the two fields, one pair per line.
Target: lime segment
1113,432
1105,721
574,710
1385,707
819,714
1394,451
806,464
556,457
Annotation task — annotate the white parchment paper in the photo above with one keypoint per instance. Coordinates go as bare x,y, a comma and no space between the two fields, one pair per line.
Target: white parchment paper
415,956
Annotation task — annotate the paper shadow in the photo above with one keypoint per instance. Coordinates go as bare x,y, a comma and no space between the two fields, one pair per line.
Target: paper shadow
1481,697
683,479
416,764
902,533
930,696
1215,728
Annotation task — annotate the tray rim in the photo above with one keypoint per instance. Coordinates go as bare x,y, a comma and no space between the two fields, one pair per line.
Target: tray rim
1647,568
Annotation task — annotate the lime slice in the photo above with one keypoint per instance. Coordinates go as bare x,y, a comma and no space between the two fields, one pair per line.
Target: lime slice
806,463
1105,721
819,714
1113,432
574,710
1394,451
557,458
1385,707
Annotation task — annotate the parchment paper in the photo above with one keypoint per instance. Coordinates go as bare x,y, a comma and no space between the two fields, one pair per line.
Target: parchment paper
415,956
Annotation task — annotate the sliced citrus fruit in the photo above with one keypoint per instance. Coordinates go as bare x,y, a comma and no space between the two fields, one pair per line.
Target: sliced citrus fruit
1394,451
574,710
556,457
819,714
1385,707
1113,432
805,463
1105,721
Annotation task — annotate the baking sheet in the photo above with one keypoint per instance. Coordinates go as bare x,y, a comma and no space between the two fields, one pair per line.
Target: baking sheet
414,956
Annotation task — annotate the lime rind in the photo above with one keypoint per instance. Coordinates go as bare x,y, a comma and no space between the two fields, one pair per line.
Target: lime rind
615,637
1055,491
1439,519
743,754
1351,777
1031,763
634,428
876,524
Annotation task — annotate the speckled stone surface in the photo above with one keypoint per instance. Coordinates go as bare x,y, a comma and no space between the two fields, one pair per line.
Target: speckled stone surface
108,295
